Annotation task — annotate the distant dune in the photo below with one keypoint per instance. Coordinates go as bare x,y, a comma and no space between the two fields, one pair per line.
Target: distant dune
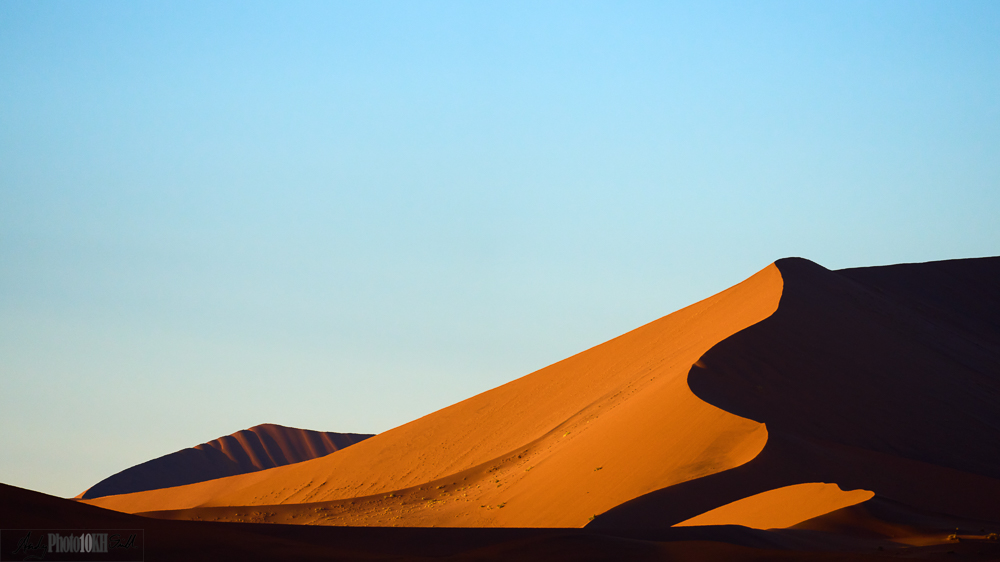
801,394
258,448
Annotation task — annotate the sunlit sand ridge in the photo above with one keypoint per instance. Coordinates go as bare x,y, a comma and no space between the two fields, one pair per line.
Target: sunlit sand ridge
781,507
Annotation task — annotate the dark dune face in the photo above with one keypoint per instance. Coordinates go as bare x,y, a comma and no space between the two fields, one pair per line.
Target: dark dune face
882,378
901,360
258,448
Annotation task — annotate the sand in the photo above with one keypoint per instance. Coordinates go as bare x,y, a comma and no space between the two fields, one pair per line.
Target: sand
781,507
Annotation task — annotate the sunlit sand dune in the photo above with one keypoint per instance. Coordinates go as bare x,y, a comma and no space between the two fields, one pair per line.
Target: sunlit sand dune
785,399
554,448
781,507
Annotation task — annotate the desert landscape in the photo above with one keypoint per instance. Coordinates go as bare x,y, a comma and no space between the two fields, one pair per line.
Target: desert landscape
803,414
482,281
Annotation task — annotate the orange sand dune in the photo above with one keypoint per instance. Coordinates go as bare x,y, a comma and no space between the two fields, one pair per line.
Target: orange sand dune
260,447
882,379
553,448
781,507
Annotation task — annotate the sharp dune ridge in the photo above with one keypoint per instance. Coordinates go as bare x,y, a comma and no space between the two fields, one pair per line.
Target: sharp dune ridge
799,386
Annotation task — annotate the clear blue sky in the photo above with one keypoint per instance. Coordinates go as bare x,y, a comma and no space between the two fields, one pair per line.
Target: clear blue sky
344,216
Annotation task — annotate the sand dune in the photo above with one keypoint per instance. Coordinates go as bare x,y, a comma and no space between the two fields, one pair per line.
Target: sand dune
258,448
882,381
553,448
781,507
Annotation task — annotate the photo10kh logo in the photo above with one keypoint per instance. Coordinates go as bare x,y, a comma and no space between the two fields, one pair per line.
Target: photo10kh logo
84,542
70,545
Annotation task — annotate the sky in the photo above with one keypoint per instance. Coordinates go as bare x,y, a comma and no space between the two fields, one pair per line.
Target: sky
343,216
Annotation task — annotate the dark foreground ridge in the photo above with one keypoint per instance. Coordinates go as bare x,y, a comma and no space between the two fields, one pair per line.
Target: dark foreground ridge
204,541
258,448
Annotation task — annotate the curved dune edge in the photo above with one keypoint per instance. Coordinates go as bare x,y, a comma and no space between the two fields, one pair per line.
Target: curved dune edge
551,449
781,507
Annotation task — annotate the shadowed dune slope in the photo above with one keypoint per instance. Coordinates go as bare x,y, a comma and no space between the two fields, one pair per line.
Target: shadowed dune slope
258,448
552,448
884,379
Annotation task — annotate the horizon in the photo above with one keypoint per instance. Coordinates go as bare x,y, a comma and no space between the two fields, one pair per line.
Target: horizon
345,217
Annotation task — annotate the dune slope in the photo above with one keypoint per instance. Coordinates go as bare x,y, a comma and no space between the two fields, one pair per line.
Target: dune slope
553,448
258,448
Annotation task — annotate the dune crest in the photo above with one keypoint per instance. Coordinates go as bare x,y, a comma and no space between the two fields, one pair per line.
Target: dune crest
553,448
781,507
